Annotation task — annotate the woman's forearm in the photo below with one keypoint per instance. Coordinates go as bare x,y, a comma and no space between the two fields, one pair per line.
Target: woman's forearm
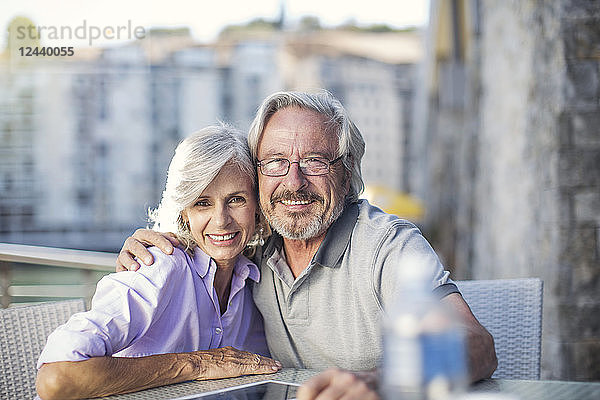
102,376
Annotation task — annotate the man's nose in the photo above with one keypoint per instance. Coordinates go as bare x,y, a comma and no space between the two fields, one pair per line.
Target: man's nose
295,179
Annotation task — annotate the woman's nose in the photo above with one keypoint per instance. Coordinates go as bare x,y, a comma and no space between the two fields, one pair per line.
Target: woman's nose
223,215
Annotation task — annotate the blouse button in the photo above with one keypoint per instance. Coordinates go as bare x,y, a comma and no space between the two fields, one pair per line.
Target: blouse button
218,331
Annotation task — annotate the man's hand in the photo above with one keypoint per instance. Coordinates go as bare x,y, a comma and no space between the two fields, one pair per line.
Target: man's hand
339,384
135,246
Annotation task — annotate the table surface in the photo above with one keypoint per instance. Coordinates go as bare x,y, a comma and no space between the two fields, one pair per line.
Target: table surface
522,390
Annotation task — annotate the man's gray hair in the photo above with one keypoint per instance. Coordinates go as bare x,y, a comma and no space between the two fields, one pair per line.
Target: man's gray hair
350,141
197,161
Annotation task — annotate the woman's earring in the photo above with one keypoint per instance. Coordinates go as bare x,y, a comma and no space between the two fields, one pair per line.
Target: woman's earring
261,239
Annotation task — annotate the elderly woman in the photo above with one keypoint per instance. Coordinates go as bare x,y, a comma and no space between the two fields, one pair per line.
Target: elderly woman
190,315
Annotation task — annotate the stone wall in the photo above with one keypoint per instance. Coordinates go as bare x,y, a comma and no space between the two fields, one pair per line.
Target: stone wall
517,213
513,171
579,187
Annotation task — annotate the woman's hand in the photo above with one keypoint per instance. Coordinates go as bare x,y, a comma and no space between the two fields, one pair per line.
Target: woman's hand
135,246
228,362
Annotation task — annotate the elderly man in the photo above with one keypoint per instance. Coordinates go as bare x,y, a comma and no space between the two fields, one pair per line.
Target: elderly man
329,269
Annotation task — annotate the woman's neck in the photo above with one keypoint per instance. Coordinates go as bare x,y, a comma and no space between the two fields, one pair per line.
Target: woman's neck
222,282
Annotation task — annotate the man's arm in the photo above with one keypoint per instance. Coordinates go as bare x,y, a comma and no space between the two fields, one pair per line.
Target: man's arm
336,383
482,360
102,376
135,246
480,343
407,245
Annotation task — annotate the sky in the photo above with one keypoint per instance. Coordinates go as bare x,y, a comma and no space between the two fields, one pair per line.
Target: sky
205,18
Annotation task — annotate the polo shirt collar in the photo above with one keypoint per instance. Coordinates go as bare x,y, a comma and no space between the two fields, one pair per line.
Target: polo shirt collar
336,239
274,242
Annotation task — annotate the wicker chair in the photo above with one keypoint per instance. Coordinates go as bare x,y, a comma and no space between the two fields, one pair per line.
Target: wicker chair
511,310
23,333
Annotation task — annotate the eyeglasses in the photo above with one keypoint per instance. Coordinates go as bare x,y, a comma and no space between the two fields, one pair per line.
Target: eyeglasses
313,166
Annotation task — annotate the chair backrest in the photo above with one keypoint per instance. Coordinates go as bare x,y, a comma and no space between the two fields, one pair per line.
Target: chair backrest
511,310
23,334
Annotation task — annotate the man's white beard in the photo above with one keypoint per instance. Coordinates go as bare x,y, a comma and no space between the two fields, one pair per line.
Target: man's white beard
315,226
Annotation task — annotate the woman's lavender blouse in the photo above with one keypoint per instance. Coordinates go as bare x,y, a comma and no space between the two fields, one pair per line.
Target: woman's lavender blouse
168,307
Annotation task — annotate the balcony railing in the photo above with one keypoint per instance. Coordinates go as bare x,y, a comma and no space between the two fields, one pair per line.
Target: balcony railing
34,273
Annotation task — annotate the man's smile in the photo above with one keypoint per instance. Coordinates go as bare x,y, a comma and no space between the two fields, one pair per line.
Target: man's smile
295,202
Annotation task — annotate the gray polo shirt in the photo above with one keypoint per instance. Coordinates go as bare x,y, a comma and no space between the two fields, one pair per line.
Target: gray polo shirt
330,314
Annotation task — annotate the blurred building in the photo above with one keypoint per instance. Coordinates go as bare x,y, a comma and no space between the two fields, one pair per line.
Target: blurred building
86,141
18,127
69,139
506,155
253,72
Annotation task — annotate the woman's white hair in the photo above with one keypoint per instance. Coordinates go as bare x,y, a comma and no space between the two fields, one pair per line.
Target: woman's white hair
197,161
351,145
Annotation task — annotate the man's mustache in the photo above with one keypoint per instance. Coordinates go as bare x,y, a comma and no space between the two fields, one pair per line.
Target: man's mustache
301,195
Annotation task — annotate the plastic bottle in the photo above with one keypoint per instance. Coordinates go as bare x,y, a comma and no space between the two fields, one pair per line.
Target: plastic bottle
423,343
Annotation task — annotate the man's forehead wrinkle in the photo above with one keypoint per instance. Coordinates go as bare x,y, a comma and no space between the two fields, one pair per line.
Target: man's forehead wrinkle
297,140
302,147
275,146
